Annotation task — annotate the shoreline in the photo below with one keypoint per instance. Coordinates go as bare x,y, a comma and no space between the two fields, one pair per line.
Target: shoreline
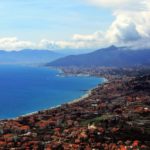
86,95
82,97
107,119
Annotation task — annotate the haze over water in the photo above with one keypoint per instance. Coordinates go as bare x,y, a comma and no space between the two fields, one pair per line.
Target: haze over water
25,89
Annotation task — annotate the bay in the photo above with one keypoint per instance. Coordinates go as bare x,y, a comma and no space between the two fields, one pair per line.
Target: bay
25,89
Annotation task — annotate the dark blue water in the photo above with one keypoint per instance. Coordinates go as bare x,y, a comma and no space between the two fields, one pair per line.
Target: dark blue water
25,89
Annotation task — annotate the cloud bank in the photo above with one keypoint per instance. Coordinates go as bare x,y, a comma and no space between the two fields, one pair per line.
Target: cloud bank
12,43
131,27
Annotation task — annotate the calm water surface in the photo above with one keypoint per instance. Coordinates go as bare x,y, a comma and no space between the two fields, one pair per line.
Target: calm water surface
25,89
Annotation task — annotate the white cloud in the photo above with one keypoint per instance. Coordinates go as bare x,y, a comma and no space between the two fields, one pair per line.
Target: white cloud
48,44
78,41
91,37
130,28
12,43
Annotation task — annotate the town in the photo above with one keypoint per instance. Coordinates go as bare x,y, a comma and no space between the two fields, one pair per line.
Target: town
115,116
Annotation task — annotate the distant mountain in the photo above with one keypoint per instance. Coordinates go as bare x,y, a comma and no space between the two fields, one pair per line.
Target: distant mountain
109,57
28,56
74,51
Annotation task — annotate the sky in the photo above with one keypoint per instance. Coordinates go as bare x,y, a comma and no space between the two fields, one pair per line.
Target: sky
73,24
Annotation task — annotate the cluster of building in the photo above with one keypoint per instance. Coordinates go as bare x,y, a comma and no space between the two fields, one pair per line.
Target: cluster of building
115,116
110,73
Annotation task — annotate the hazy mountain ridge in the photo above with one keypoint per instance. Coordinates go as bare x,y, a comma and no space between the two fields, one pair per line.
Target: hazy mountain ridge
28,56
109,57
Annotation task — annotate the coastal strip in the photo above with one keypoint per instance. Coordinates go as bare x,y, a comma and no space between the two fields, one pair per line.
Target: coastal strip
115,115
76,100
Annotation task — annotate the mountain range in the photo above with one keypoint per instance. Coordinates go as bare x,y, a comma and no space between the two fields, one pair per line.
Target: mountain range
108,57
28,56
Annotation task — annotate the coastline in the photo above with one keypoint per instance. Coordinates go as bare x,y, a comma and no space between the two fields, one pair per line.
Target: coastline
86,95
76,100
82,97
110,116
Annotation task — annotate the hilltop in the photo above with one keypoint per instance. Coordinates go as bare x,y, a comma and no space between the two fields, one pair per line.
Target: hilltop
109,57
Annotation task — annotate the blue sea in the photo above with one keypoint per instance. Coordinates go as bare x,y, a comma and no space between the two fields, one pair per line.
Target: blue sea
25,89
